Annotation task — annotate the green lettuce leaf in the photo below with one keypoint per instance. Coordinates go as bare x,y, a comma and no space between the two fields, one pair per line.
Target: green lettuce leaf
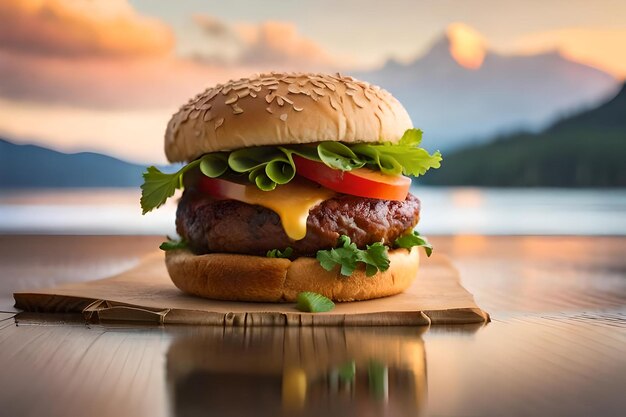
266,166
411,137
269,166
305,151
280,171
172,244
347,256
313,303
214,165
247,159
338,156
405,157
414,239
258,177
410,161
157,186
277,253
375,258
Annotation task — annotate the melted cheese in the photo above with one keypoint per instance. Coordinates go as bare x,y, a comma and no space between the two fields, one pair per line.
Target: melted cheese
291,202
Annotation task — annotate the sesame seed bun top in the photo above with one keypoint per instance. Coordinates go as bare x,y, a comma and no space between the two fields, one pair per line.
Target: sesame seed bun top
284,109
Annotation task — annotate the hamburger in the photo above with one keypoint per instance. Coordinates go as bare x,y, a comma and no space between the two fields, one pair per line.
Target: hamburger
293,182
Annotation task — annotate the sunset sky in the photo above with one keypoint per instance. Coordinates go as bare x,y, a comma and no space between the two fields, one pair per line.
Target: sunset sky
107,75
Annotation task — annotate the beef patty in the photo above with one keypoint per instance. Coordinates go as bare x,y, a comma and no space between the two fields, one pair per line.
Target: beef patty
230,226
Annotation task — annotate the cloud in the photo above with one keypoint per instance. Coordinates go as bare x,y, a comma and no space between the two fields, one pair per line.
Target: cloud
106,83
467,46
269,45
279,44
599,47
99,55
213,27
104,55
80,28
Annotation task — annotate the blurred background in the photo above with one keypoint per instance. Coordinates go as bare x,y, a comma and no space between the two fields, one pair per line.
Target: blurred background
526,101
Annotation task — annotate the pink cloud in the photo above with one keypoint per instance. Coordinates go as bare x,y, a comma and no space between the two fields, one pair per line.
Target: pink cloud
81,28
602,48
104,55
213,27
270,45
279,44
106,83
95,55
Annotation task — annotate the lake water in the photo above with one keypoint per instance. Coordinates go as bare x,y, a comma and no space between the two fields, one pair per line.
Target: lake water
444,211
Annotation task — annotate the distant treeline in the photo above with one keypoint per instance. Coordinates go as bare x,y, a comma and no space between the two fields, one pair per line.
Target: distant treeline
31,166
585,150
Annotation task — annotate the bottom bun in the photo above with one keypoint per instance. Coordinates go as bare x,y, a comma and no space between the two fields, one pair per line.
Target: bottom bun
235,277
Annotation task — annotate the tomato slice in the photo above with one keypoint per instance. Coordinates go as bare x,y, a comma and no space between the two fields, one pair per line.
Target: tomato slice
362,182
222,189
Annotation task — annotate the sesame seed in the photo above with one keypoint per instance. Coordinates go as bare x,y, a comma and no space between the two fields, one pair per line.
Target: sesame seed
237,109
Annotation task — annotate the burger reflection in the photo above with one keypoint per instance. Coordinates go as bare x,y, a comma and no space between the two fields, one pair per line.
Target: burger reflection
302,371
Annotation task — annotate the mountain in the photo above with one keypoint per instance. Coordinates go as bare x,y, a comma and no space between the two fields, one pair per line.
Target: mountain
36,166
455,105
585,150
610,116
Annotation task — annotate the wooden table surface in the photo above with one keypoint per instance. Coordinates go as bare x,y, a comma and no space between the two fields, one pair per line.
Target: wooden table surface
556,345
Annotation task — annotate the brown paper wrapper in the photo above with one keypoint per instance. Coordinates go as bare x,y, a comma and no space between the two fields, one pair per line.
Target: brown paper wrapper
146,294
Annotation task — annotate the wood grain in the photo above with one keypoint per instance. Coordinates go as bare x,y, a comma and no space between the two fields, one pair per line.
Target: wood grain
556,345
